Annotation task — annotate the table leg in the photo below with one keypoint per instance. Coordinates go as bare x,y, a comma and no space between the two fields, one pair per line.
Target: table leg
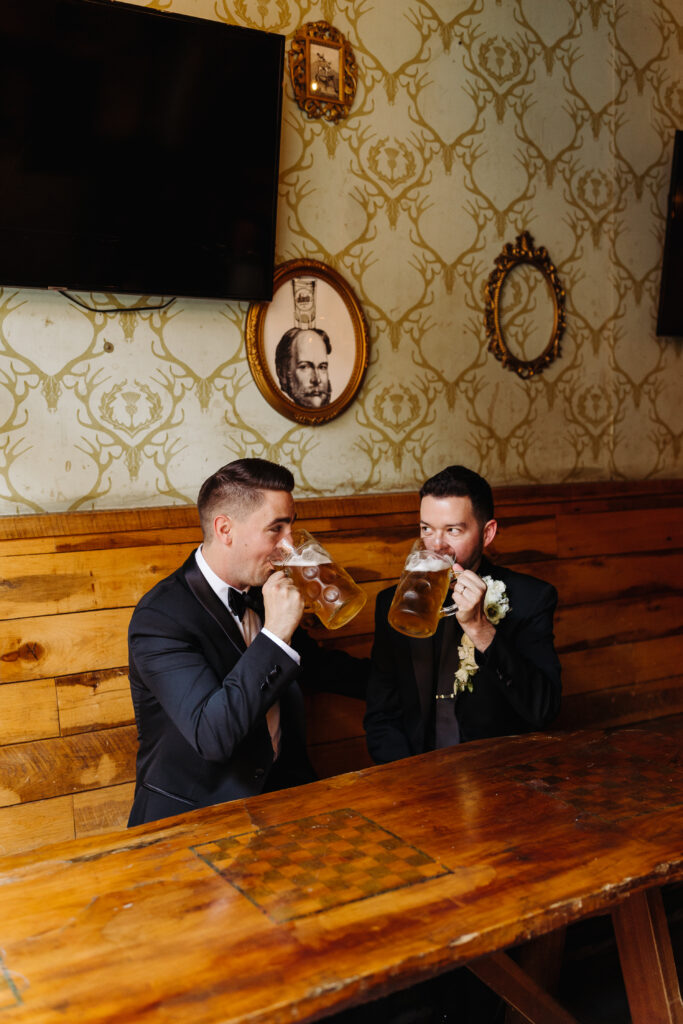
647,961
500,972
541,959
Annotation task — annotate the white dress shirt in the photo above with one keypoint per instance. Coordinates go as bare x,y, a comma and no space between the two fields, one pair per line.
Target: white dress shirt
249,627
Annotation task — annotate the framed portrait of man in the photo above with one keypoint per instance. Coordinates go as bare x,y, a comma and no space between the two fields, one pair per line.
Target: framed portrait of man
308,347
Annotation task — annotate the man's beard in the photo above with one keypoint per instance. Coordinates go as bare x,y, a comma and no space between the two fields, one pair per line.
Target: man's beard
315,396
475,558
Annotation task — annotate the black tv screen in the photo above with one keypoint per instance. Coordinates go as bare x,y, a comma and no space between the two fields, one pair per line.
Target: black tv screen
139,150
670,313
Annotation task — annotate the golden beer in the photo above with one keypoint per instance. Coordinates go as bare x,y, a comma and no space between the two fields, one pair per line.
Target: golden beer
327,588
421,591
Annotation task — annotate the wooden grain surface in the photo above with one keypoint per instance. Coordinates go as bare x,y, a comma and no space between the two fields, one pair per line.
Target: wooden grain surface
288,906
69,582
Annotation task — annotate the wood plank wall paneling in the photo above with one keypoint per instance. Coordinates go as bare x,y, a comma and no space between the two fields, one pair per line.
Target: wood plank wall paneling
69,582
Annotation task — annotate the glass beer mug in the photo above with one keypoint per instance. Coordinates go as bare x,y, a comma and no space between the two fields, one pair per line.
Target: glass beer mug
417,605
326,587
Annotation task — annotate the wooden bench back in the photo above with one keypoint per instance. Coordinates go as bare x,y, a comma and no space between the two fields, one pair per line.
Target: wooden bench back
69,582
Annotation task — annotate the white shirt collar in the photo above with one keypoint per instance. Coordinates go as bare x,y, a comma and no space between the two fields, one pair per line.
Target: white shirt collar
219,586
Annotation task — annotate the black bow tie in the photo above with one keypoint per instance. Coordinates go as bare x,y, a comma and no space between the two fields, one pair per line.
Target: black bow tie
239,601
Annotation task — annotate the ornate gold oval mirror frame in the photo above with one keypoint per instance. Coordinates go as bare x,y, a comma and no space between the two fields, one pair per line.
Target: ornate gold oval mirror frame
512,256
314,307
323,71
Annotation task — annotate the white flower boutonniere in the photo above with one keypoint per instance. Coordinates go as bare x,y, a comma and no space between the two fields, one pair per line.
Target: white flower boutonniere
496,601
496,607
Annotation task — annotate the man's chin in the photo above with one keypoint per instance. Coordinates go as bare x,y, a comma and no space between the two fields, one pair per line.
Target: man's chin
265,574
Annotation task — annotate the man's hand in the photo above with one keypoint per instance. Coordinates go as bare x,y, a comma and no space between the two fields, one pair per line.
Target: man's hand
468,593
283,606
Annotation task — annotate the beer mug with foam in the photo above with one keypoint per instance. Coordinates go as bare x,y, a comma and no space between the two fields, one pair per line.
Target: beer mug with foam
421,591
326,587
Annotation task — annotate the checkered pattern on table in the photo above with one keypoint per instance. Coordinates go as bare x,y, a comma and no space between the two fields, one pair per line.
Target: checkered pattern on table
312,864
638,784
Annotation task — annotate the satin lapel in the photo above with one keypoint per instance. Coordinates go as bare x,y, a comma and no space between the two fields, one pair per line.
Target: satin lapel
215,608
422,655
449,659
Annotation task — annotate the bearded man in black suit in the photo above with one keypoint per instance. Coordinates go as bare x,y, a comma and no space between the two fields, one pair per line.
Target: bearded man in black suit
478,676
216,655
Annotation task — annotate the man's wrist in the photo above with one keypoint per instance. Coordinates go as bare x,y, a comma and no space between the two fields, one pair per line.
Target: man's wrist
482,635
294,655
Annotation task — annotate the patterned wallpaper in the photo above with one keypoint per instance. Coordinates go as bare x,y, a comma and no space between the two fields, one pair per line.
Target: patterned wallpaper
474,120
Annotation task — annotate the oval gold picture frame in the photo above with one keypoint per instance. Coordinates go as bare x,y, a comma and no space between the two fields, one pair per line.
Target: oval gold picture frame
523,251
311,302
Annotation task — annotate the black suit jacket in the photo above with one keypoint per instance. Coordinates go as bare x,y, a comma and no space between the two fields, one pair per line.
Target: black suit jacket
516,688
201,696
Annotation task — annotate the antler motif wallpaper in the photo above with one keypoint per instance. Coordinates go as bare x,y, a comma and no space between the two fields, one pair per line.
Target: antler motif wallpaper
474,120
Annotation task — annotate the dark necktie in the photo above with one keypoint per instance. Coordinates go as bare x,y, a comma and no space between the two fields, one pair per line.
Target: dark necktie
447,729
239,601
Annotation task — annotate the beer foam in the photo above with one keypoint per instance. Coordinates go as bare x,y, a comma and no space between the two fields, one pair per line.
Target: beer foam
308,558
426,561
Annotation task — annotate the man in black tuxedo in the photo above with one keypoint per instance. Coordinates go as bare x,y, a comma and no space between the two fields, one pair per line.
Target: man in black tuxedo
414,703
216,655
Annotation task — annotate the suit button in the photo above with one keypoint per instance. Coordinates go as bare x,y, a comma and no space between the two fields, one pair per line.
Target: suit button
273,674
264,686
259,773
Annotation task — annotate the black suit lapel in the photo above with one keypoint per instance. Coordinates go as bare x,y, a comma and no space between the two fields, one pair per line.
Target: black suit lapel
446,727
434,659
212,604
422,656
449,659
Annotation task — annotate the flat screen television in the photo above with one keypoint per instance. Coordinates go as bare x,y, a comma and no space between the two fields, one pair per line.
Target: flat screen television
139,150
670,313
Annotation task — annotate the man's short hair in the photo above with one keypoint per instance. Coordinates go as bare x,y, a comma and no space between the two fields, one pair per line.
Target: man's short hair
460,482
237,489
283,351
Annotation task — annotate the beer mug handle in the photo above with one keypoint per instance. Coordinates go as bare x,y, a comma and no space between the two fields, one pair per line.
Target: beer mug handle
448,609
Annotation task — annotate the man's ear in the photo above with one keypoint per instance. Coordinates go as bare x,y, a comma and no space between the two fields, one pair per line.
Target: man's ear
489,532
222,529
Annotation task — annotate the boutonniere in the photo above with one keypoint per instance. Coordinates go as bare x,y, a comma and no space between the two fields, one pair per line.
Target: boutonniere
496,607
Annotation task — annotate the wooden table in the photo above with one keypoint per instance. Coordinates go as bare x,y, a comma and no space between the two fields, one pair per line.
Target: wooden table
289,906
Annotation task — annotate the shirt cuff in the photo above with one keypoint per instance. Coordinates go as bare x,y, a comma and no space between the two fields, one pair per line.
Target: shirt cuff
294,655
482,657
